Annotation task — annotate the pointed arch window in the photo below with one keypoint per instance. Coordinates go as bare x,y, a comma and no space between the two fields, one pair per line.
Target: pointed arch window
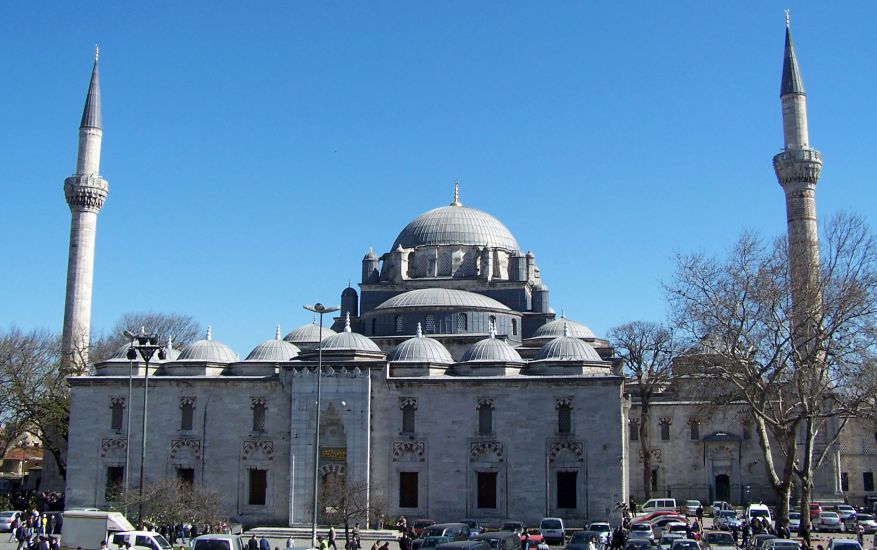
400,324
462,322
514,327
430,324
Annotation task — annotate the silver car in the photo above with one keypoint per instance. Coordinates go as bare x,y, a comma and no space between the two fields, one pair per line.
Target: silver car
828,521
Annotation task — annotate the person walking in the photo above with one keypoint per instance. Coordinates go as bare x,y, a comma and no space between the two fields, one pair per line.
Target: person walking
253,544
264,544
332,536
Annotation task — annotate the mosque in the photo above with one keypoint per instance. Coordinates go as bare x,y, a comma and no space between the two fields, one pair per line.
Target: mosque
449,388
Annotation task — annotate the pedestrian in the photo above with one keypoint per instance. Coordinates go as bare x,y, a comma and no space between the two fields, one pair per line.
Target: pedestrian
264,544
376,545
289,542
385,546
591,545
252,544
525,542
103,545
860,534
13,528
332,536
53,544
51,525
356,542
321,543
699,513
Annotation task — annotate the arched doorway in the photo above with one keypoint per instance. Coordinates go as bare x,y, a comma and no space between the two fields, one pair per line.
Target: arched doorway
723,487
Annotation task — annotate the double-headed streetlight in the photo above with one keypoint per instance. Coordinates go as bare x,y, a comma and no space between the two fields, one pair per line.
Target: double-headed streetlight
321,309
147,345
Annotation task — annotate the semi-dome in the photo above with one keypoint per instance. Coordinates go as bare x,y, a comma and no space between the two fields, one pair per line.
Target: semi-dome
456,225
308,334
349,341
420,349
441,297
567,348
274,350
554,329
492,350
208,350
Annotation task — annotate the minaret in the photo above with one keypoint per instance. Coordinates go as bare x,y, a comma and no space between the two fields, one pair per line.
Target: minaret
85,192
798,168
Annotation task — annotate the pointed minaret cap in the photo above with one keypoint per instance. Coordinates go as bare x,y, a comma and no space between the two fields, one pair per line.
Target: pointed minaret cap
792,83
419,331
91,114
456,194
347,322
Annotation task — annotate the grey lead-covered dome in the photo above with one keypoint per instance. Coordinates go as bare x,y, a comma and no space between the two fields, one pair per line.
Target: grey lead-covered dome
491,350
456,225
273,350
349,341
420,349
554,329
439,297
308,334
568,348
208,350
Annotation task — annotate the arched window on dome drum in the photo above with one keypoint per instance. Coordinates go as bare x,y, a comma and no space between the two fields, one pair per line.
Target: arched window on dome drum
400,324
445,265
514,327
412,265
430,324
462,322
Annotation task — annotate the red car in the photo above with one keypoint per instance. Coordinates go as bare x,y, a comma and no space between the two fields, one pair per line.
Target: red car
420,524
815,509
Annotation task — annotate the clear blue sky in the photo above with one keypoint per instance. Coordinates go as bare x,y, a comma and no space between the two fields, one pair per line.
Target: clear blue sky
255,150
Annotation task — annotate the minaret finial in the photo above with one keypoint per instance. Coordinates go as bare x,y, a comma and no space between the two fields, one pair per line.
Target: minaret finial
209,332
456,194
419,331
347,322
277,333
96,52
787,19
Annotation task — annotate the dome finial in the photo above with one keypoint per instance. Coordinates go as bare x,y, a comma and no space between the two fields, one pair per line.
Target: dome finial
347,322
209,332
456,194
492,329
419,331
562,314
565,329
277,333
170,342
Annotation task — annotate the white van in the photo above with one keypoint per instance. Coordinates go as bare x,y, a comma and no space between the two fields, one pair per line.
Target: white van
148,540
655,504
552,530
759,511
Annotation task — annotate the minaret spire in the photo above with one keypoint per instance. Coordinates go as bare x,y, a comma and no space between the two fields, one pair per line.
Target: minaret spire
85,192
456,194
798,168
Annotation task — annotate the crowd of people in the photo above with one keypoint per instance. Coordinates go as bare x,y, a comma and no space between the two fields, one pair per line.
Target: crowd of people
31,530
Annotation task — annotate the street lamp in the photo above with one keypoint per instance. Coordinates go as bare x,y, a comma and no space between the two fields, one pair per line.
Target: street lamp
321,309
147,345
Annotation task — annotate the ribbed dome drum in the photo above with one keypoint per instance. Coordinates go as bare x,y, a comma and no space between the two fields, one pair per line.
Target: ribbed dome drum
455,225
441,297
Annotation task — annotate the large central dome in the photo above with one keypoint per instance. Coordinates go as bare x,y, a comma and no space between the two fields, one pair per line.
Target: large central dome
456,225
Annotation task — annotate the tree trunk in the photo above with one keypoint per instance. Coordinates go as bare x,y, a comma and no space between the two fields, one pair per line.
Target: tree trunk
645,448
806,493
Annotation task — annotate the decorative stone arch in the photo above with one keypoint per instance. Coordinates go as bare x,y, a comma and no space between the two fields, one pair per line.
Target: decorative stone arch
485,402
113,448
564,402
257,449
334,468
182,449
408,450
408,402
558,449
486,450
187,400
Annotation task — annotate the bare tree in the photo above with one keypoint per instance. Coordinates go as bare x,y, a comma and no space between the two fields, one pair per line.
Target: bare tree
182,329
171,501
345,503
647,350
800,370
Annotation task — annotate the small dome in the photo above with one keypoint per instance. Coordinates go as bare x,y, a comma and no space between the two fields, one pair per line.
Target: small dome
554,329
420,349
349,341
370,255
349,291
568,348
492,350
308,334
208,350
456,225
441,297
274,350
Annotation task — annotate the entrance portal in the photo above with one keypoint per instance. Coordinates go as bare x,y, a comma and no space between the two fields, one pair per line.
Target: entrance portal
723,488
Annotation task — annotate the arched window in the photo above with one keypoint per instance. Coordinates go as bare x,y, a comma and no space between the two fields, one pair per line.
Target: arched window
444,265
462,322
514,327
408,418
564,419
400,324
117,410
485,419
430,324
258,416
187,413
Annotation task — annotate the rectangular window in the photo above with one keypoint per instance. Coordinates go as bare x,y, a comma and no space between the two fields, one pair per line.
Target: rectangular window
258,417
186,416
566,489
564,419
407,489
654,479
665,431
485,420
258,488
115,482
844,481
695,431
186,475
116,419
634,431
868,480
408,419
486,490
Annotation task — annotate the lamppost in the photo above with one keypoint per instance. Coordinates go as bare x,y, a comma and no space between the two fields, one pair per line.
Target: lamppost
321,309
147,345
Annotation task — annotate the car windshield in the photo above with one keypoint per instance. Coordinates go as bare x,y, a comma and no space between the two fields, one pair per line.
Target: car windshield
637,544
582,537
727,514
686,545
794,515
864,517
846,545
759,513
423,523
784,544
640,527
212,544
550,524
600,527
720,538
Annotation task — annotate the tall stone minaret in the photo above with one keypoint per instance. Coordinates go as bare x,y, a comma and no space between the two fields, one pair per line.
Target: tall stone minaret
798,168
85,192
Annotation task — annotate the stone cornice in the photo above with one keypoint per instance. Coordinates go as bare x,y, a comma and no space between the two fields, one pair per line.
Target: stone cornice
86,192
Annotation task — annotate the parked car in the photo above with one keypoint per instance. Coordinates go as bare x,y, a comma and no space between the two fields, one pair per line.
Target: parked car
689,508
815,510
6,519
216,542
654,504
757,542
794,521
685,544
638,544
828,521
427,543
844,544
603,528
658,524
718,540
759,511
457,531
501,540
718,506
668,539
420,524
515,526
867,521
579,540
726,520
781,544
474,527
642,531
552,530
465,545
845,511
